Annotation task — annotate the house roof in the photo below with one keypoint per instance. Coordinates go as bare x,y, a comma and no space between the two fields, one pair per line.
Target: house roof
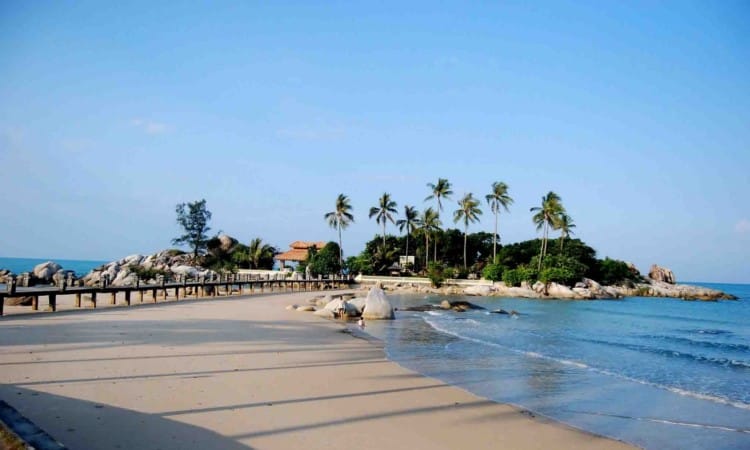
304,245
298,250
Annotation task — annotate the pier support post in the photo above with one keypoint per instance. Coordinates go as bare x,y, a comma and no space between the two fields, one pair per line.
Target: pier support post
35,303
78,299
53,302
113,298
93,299
127,298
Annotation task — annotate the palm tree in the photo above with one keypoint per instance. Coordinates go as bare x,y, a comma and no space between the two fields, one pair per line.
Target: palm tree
429,221
565,225
499,198
259,255
547,216
383,212
410,222
468,211
442,189
339,219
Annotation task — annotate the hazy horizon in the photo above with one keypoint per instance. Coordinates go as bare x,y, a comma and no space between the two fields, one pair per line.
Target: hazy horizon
635,114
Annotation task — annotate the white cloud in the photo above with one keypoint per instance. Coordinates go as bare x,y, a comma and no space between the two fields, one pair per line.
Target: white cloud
743,226
149,126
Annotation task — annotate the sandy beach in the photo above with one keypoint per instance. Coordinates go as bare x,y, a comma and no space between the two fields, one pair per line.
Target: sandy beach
241,373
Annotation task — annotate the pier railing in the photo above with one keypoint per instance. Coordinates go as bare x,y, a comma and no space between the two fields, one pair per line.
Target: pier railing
223,286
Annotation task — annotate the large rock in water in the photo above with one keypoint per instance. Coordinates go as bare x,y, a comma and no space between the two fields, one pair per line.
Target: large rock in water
662,274
336,305
46,270
377,306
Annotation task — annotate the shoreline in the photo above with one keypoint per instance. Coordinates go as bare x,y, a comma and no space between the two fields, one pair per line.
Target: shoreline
585,290
279,349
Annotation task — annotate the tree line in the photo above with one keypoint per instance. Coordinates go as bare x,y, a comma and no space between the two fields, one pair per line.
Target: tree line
438,252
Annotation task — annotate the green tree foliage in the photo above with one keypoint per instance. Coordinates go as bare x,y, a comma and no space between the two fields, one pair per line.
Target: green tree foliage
562,269
439,190
384,212
256,255
325,261
429,224
493,272
436,274
339,219
514,277
498,199
193,217
612,271
468,212
559,275
547,216
565,224
361,263
410,222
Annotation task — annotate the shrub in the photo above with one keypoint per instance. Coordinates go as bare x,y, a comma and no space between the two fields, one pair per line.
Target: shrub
557,275
449,272
435,272
493,272
460,273
521,273
613,271
512,277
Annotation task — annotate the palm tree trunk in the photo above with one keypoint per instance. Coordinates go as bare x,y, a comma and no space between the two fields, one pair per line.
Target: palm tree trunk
341,251
407,245
384,236
426,249
541,250
466,229
494,242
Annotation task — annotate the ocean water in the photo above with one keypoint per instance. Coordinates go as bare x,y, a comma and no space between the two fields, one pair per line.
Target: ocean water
658,373
20,265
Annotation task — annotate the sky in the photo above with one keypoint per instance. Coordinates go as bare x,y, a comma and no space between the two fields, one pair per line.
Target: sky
636,113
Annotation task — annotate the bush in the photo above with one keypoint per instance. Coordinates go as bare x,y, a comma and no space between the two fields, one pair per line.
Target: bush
456,273
435,272
512,277
613,271
359,264
521,273
493,272
556,275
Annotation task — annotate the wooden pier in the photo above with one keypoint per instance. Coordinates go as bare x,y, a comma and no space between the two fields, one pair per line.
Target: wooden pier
231,285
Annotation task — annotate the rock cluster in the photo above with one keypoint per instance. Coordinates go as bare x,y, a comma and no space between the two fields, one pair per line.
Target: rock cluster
48,272
373,307
124,272
661,283
661,274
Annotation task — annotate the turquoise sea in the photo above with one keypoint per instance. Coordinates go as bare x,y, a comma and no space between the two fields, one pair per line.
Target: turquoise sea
658,373
20,265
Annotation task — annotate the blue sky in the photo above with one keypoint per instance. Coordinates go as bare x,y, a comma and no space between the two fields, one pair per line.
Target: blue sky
635,113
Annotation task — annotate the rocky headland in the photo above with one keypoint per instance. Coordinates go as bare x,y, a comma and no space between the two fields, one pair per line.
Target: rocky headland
659,283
